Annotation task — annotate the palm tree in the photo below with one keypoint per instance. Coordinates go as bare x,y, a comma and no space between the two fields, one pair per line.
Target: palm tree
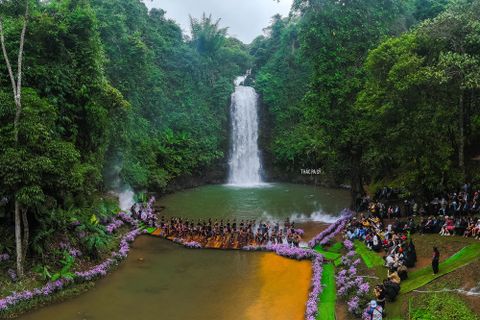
207,37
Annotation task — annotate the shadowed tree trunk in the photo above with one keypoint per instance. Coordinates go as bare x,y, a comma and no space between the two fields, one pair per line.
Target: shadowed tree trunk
26,232
461,138
18,239
356,178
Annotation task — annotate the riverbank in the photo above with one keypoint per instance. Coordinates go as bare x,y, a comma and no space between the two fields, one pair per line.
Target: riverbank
39,286
31,283
90,237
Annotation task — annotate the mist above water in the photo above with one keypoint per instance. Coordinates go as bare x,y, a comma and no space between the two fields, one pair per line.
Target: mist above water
126,200
117,186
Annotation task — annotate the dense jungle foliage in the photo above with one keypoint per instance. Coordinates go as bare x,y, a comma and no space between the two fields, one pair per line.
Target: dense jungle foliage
375,92
112,95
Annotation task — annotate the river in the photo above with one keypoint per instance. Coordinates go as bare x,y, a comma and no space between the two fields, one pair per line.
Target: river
161,280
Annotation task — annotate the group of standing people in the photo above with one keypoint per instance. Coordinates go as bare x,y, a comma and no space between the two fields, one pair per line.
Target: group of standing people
231,234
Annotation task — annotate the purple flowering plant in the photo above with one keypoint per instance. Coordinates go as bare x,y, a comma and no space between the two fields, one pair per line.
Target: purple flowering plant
93,273
348,244
193,245
350,286
4,257
333,230
114,225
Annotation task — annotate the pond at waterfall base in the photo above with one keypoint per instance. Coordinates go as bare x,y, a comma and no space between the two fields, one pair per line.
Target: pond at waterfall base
162,280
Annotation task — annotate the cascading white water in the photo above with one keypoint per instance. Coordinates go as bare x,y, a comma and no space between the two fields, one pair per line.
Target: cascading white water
245,159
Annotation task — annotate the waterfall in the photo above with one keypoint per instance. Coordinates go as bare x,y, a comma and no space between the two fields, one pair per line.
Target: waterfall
244,159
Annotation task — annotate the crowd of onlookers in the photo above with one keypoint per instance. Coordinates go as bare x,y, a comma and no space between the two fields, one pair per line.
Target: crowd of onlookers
394,240
448,214
390,223
465,201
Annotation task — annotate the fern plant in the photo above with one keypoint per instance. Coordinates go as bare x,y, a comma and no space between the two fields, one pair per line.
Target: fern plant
43,272
67,265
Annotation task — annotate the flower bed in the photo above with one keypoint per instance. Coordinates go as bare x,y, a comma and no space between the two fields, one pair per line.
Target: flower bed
102,268
335,228
46,290
114,225
88,275
352,288
316,283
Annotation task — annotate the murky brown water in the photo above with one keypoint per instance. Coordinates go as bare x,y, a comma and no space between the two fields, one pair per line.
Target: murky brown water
174,283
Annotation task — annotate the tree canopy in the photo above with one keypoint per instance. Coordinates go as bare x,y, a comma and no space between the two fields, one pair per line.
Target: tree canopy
373,92
113,95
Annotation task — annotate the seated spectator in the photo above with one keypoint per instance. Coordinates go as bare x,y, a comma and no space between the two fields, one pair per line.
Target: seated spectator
448,227
389,261
379,292
469,229
393,276
426,225
476,230
460,226
402,272
391,289
411,255
410,226
376,245
375,311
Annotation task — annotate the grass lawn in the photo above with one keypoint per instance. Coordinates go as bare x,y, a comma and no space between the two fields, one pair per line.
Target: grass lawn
458,269
424,276
371,258
151,230
336,247
327,254
328,297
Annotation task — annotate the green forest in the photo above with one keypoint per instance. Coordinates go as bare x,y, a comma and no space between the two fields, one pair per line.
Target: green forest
374,92
113,95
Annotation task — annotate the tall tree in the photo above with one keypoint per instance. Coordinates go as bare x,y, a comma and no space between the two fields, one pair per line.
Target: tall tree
16,82
336,37
207,36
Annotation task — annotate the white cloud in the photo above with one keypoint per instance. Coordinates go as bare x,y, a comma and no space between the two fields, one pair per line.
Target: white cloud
245,18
